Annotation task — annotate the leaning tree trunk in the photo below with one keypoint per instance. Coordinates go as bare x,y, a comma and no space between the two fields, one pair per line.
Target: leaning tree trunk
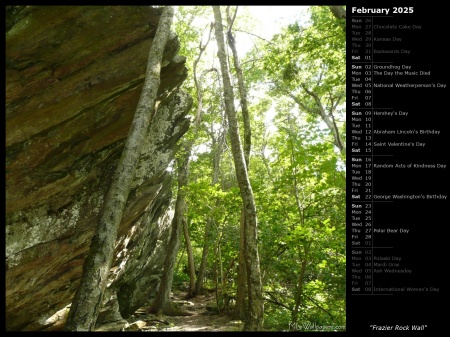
256,302
162,303
195,287
328,118
241,292
190,255
207,238
88,298
242,92
204,260
217,147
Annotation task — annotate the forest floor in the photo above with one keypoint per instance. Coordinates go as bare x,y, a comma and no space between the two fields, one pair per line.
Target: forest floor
204,317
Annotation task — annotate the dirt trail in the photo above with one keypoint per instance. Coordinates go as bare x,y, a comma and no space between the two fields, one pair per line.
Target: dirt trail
204,318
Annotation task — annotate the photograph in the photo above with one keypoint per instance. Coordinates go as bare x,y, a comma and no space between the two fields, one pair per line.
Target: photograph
184,168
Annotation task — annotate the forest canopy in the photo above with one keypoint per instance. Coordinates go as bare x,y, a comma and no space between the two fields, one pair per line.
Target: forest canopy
289,97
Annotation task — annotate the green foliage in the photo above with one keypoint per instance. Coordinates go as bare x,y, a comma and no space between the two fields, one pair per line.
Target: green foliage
277,319
307,60
295,172
180,278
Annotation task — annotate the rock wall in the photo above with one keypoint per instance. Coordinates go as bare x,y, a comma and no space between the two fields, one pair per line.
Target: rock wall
74,75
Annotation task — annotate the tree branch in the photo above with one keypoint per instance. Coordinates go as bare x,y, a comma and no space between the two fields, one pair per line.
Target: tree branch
259,37
275,300
319,306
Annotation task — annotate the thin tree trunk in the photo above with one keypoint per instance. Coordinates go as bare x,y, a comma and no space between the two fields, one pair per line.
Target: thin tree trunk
183,177
216,281
256,302
198,84
177,267
303,258
162,303
329,121
219,265
263,156
218,148
222,278
226,275
301,278
298,293
190,255
89,296
242,91
185,169
204,261
241,292
327,116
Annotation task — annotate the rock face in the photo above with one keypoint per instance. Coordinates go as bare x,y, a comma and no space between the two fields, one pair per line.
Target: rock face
74,75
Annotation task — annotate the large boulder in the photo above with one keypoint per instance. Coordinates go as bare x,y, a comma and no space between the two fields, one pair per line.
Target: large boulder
74,75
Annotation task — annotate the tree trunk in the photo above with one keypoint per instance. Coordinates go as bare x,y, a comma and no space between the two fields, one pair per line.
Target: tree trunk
218,148
298,295
256,302
340,14
162,303
241,293
242,92
329,120
299,289
199,283
216,281
204,261
88,299
327,116
223,280
190,255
